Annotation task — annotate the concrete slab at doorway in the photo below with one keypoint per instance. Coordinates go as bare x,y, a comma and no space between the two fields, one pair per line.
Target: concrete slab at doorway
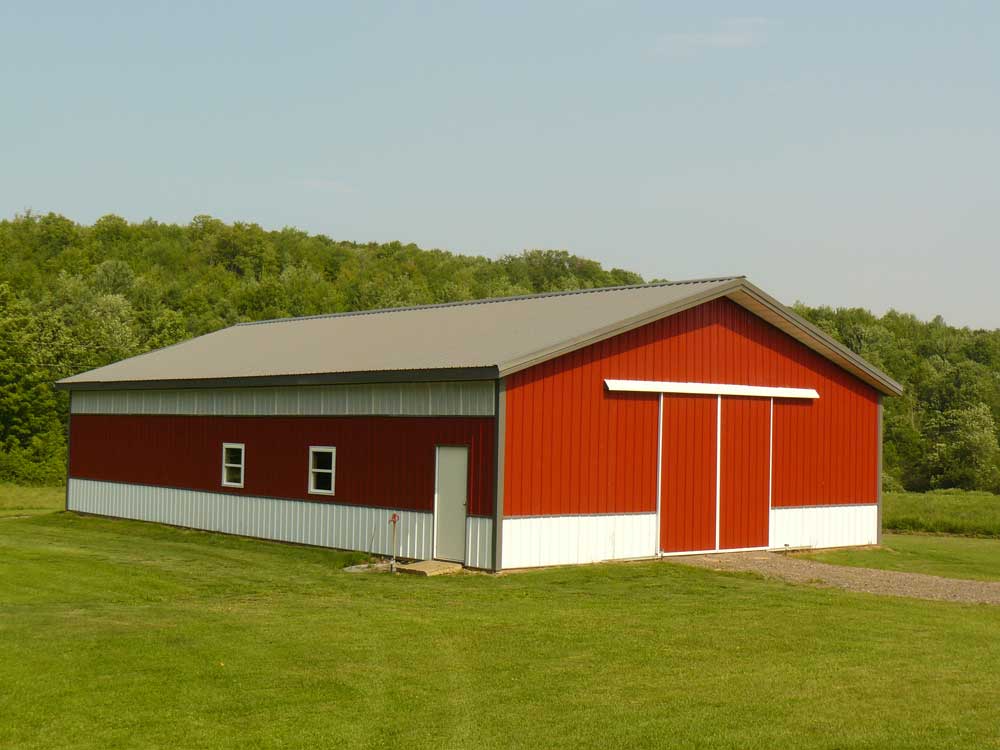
430,568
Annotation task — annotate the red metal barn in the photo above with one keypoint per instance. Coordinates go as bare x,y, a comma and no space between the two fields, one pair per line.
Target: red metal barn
551,429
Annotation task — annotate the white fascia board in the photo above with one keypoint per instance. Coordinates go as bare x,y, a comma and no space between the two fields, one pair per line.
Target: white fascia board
708,389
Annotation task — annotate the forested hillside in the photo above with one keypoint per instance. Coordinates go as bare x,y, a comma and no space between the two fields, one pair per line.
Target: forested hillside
75,297
943,431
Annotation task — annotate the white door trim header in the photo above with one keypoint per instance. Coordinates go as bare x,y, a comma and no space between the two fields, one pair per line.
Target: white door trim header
708,389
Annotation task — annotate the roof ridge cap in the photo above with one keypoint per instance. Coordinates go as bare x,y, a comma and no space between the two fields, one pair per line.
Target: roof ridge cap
490,300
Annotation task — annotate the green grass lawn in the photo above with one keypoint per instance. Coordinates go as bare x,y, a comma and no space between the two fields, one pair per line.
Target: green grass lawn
955,512
25,501
118,634
943,512
948,556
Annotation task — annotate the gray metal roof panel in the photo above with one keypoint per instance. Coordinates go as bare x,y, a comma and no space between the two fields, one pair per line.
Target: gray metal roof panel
478,333
499,336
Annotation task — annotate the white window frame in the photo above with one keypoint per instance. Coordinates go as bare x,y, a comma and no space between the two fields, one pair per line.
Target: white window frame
332,471
241,465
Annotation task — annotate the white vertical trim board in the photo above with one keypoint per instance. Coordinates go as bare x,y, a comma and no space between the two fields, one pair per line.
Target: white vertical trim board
824,526
534,541
364,529
718,470
770,456
659,474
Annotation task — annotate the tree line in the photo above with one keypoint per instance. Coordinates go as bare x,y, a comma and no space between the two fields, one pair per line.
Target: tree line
75,297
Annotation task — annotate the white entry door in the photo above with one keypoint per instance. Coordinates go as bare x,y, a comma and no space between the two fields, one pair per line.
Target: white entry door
451,496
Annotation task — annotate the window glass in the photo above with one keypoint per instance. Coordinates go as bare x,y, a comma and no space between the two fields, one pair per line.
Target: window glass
234,475
323,482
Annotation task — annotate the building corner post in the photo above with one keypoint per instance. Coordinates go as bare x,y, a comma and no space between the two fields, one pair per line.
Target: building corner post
878,537
659,475
500,439
69,448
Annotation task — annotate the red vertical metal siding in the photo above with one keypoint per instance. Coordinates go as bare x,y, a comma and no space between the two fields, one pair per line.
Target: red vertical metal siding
743,505
826,452
687,500
573,447
381,461
578,449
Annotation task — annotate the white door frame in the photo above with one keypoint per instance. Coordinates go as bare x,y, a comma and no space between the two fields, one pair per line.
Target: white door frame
437,470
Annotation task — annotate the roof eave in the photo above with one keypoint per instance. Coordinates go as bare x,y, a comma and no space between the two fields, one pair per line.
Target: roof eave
819,341
307,379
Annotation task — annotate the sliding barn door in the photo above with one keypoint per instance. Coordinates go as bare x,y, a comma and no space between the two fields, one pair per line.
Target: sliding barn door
744,505
714,486
687,489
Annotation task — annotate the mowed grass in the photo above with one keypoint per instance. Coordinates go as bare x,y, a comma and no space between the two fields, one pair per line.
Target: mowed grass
947,556
921,547
16,500
943,512
119,634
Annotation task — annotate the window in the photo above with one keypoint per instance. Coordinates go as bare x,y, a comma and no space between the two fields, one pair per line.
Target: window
232,464
322,467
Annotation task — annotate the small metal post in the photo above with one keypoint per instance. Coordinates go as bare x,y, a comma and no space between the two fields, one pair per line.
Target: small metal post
394,519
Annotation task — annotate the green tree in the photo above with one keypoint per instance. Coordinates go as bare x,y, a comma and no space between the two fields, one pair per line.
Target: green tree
962,448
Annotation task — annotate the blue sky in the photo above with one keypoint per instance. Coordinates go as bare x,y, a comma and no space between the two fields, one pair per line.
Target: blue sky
836,153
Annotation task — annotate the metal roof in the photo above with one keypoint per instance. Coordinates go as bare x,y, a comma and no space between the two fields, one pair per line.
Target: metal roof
479,339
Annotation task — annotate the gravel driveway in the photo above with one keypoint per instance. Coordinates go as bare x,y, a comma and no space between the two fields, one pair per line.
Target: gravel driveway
869,580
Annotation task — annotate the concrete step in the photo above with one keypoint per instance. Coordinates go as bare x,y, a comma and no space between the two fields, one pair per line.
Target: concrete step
430,568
